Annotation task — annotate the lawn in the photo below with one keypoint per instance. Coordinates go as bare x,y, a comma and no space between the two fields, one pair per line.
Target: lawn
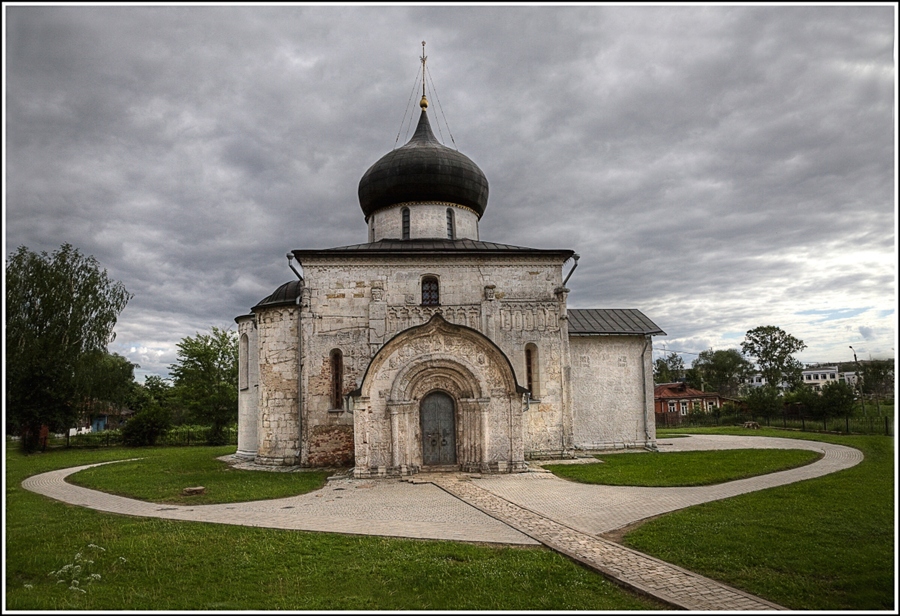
174,468
822,544
172,565
683,468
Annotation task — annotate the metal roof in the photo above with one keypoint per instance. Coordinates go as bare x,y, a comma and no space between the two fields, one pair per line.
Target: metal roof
423,170
286,294
462,247
587,321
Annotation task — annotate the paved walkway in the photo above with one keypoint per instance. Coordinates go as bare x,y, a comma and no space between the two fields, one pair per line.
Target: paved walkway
526,508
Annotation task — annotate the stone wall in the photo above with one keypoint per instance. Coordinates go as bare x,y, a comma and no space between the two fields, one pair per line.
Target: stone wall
426,220
248,386
278,431
612,391
357,304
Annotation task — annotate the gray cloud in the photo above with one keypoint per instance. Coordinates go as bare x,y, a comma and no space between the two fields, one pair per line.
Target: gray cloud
718,168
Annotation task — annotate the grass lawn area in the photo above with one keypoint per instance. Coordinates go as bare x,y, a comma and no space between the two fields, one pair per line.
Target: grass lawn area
822,544
163,472
173,565
683,468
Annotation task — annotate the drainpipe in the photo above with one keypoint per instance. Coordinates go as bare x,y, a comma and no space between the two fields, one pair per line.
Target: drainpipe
569,275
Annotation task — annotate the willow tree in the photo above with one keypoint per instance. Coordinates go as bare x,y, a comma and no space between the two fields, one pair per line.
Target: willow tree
61,308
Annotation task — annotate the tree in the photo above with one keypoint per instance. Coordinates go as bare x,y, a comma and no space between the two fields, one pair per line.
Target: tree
60,307
764,401
105,383
838,399
205,379
722,371
877,379
668,369
774,349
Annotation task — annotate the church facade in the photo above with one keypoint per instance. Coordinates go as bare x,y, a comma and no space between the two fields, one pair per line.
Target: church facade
427,348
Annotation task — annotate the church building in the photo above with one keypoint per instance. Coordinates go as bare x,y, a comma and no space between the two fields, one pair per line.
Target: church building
427,348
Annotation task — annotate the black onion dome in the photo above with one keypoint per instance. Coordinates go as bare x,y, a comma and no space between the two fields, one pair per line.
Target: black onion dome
423,170
286,294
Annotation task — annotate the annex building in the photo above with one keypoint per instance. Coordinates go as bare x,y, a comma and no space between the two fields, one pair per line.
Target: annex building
427,348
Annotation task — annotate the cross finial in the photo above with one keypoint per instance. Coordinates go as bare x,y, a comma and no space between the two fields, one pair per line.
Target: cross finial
424,102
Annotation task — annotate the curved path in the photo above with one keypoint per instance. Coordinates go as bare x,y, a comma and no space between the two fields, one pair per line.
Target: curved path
525,508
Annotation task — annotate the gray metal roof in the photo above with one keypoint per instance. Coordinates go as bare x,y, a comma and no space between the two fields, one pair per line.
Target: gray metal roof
431,247
286,294
587,321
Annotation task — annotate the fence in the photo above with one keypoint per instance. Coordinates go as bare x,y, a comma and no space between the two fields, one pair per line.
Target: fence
181,436
845,425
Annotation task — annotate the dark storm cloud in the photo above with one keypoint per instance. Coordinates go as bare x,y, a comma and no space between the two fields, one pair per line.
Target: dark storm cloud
718,168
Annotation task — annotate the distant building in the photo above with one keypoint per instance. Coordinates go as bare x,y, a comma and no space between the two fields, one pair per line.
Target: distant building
680,399
815,377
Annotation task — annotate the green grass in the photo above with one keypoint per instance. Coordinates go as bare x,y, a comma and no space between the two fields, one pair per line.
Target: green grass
683,468
162,474
822,544
173,565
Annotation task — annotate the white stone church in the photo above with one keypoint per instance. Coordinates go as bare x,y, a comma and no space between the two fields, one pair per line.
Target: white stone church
427,348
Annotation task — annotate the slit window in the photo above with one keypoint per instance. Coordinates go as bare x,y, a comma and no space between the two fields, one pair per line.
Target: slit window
244,374
532,382
337,379
431,293
451,230
405,214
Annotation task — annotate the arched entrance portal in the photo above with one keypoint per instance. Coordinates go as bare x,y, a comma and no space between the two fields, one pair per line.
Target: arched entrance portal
438,421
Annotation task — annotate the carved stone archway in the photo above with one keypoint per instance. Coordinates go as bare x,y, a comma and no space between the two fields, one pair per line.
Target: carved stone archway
438,356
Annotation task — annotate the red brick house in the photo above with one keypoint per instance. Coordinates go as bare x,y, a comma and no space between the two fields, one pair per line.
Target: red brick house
677,399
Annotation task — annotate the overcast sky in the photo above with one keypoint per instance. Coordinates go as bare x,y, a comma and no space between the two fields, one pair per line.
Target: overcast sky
716,167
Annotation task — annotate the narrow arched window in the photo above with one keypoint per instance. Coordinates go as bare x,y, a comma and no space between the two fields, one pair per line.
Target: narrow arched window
532,381
451,230
244,372
405,214
431,292
337,379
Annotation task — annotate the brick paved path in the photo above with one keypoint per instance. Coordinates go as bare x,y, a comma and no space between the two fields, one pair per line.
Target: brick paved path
525,508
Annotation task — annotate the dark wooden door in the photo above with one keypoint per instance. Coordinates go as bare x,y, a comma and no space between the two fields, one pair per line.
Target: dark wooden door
438,430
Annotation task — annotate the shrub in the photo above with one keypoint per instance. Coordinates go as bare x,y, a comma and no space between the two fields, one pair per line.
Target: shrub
146,426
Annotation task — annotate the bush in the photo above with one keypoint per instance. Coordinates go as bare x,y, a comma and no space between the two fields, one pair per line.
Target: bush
146,426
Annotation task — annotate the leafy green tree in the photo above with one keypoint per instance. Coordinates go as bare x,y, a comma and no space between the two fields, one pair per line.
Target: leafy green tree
877,379
838,399
764,401
722,371
668,369
147,426
774,349
105,383
205,379
60,307
805,401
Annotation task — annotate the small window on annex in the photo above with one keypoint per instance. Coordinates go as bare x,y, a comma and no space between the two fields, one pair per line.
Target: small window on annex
337,379
532,382
431,293
244,372
405,214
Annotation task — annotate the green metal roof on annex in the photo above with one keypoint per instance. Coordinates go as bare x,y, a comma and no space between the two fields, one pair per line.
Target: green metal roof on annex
431,247
610,321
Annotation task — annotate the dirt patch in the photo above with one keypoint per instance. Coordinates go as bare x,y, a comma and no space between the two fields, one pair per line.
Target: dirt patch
616,535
